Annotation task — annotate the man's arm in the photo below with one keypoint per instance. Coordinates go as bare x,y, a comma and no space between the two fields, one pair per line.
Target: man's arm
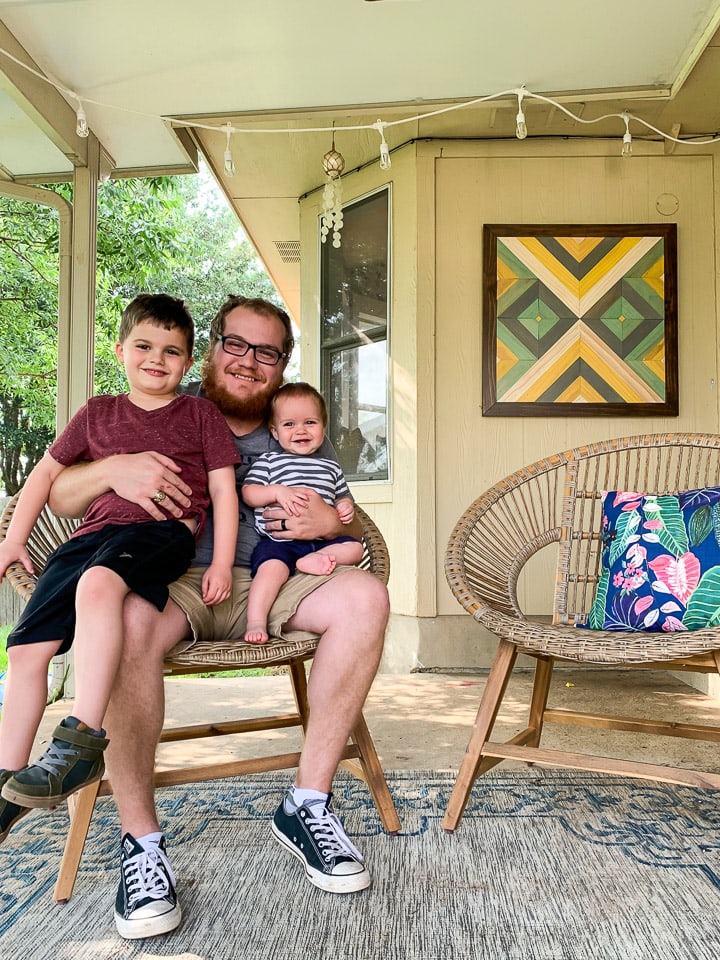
133,476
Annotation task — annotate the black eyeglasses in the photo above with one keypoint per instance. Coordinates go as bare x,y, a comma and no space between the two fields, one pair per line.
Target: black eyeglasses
238,347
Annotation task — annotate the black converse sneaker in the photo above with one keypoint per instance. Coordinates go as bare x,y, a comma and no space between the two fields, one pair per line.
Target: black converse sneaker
73,759
314,835
10,812
146,904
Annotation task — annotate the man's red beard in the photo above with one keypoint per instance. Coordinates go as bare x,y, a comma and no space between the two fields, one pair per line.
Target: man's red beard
249,408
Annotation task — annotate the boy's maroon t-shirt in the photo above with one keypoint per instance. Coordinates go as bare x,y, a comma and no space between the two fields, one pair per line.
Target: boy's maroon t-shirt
189,430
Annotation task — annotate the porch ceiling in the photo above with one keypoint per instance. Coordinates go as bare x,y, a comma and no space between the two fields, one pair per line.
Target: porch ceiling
286,65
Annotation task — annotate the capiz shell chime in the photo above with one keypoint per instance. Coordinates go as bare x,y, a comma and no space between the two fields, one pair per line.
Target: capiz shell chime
331,219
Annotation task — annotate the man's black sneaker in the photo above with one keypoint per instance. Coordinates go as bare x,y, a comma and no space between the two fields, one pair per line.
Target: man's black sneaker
72,761
316,837
10,812
146,904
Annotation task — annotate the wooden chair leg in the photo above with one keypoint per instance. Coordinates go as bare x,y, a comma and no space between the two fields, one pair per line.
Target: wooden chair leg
538,703
485,720
374,777
80,808
298,678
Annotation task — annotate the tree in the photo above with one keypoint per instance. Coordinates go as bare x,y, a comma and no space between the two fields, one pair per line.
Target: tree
173,235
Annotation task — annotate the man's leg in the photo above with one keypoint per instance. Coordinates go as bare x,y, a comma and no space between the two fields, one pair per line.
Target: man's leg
350,613
146,904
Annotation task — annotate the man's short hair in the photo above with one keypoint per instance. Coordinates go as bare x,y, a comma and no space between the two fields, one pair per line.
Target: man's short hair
160,309
300,389
258,305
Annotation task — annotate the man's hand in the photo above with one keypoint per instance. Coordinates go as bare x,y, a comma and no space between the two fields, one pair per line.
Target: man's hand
318,521
139,477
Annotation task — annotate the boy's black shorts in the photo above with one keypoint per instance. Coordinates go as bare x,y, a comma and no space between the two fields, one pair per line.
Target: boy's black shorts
148,557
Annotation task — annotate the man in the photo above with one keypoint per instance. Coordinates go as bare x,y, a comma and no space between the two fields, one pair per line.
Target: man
250,344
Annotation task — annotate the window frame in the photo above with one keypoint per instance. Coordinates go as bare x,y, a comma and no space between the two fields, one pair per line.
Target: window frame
380,334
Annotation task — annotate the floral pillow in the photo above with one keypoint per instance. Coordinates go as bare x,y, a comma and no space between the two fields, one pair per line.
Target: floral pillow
660,562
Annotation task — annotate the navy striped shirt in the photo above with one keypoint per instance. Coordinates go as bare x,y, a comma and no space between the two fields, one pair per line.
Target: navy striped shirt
291,470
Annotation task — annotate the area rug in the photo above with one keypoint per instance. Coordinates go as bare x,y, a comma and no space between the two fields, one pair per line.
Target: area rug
544,866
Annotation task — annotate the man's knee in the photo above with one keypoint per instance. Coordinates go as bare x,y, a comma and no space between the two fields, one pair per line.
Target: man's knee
149,632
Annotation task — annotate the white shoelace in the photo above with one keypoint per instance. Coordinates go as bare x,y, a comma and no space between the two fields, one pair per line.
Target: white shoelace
145,876
56,758
329,834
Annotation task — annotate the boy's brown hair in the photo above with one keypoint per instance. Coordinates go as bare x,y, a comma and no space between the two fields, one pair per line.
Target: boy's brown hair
160,309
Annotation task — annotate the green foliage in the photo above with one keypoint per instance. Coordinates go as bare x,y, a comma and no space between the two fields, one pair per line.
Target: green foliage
172,235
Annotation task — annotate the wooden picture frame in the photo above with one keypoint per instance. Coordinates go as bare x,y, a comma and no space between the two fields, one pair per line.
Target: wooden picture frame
580,320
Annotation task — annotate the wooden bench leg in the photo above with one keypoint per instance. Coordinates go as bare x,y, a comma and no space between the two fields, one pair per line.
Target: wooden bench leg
80,807
485,720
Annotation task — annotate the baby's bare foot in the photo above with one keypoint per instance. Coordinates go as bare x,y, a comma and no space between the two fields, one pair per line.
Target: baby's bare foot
256,633
317,563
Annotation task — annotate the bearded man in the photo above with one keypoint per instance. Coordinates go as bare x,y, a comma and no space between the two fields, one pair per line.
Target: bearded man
250,345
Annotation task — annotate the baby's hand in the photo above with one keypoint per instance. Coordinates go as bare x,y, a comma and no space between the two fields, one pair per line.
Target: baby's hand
346,510
292,499
216,584
14,552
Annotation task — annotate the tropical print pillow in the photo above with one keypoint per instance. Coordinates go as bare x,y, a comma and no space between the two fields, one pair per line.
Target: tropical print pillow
660,562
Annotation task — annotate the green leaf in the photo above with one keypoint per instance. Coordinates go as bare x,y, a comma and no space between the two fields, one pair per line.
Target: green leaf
700,524
703,609
596,617
673,535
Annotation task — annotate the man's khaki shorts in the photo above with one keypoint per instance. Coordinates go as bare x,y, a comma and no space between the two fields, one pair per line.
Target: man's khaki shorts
227,620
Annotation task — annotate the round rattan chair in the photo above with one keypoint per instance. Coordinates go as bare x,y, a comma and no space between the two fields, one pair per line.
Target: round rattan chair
554,505
359,757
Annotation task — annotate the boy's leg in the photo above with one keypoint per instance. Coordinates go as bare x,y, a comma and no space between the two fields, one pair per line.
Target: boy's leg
25,699
266,584
324,560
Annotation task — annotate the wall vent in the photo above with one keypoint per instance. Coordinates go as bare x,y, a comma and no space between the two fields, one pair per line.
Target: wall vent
289,250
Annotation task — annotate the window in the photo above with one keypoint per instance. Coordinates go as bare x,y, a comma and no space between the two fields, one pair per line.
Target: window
354,301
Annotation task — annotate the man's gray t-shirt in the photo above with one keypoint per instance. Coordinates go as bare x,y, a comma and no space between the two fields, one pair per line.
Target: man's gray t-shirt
250,447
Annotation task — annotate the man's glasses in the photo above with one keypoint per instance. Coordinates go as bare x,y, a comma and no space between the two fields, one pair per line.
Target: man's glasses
239,347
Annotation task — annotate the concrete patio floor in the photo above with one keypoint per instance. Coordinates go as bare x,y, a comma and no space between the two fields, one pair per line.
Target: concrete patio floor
424,720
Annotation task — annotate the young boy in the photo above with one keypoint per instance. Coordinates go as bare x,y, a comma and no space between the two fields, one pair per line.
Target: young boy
298,417
118,548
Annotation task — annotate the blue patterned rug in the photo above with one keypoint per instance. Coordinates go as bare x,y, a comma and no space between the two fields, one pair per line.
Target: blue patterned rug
546,865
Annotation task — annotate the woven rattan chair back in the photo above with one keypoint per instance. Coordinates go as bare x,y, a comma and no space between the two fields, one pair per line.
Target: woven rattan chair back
555,506
360,756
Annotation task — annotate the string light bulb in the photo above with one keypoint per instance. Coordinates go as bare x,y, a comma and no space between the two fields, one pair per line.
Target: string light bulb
385,161
627,137
229,163
520,125
81,125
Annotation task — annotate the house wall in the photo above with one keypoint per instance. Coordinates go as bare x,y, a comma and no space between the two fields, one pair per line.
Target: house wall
445,452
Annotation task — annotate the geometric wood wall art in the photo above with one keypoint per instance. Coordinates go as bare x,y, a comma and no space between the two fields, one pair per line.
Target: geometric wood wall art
580,320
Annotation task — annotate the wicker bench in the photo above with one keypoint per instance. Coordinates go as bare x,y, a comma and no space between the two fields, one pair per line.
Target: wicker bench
359,757
555,505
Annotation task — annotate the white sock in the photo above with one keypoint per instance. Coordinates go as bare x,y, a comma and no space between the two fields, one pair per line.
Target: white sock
149,840
297,796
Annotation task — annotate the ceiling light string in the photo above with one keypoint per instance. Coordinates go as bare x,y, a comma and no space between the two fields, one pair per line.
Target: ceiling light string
521,93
